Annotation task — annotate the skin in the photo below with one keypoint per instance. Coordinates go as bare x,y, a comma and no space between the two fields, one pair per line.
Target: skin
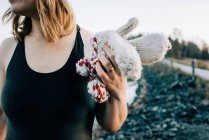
111,114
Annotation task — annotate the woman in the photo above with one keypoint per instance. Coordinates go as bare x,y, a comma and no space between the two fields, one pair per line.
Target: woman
42,96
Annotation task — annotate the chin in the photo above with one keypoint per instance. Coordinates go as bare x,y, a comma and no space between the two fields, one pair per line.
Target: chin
21,8
20,12
16,10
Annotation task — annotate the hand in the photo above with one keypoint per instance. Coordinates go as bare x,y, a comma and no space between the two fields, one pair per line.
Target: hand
113,78
2,125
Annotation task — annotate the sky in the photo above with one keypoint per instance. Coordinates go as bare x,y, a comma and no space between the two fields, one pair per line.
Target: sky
161,16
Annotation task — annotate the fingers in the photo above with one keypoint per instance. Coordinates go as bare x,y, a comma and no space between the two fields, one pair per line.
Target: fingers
105,62
104,77
112,59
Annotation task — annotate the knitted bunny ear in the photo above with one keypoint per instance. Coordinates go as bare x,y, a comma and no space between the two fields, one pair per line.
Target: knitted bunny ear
128,27
151,48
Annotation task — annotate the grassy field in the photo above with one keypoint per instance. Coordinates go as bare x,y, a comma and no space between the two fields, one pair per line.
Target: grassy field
203,64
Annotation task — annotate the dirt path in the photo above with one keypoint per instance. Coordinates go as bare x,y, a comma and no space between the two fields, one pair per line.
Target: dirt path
188,69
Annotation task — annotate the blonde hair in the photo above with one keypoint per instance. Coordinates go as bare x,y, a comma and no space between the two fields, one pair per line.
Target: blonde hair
56,20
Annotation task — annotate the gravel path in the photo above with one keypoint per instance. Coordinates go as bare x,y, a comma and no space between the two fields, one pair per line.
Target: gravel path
169,106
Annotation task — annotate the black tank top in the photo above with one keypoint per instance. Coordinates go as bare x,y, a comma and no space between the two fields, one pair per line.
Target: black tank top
47,106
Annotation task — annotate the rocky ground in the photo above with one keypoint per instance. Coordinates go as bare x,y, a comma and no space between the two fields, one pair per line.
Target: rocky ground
169,105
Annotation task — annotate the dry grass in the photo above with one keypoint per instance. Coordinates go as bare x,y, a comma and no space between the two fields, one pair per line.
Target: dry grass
203,64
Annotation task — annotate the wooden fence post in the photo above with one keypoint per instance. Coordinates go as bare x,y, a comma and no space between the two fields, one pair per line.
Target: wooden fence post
193,68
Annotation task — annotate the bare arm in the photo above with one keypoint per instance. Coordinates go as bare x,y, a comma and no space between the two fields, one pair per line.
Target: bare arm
111,114
2,116
2,79
6,47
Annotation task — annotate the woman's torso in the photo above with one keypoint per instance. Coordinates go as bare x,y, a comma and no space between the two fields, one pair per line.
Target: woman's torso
52,105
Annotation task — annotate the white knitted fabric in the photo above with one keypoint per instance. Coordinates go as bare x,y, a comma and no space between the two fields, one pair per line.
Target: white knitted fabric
125,54
129,55
151,48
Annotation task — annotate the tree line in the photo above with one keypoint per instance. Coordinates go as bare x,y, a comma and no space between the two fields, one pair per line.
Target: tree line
184,49
188,49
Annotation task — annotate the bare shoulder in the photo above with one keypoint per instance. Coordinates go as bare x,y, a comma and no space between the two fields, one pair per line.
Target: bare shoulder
6,48
85,34
6,45
8,42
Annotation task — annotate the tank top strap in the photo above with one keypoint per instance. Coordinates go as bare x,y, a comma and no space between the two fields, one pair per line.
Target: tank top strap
78,27
79,46
78,50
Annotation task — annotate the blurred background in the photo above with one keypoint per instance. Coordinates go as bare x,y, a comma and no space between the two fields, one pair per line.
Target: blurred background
171,100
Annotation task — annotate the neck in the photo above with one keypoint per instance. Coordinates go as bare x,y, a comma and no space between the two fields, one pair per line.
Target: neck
36,30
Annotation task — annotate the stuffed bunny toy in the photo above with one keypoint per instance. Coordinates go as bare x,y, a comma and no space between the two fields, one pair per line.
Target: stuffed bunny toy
129,55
